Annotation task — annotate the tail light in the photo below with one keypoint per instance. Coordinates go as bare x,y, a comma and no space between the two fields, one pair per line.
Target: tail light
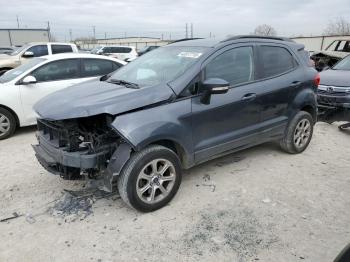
317,79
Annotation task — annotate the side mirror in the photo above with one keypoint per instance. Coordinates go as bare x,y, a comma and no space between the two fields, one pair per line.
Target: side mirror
28,54
213,86
29,80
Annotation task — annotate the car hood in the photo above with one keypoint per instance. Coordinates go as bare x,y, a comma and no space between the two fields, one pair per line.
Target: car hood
335,77
99,97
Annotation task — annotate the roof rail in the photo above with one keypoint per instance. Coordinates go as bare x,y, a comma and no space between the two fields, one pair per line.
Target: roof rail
185,39
257,36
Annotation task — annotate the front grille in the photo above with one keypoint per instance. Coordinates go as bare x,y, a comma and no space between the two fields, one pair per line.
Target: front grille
54,134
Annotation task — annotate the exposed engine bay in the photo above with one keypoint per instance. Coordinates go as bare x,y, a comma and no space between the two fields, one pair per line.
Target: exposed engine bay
84,145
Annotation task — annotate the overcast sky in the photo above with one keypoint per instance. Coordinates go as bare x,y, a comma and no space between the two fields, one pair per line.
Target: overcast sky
155,17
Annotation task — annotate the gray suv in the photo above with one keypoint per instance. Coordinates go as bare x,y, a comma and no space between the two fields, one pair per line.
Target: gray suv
175,107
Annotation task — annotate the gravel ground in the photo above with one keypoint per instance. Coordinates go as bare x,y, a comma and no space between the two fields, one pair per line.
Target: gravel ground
256,205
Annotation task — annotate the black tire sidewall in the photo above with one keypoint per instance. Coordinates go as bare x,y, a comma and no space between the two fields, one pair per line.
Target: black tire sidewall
12,120
134,199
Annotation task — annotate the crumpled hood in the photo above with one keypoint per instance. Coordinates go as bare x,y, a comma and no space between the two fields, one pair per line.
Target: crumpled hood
97,97
335,77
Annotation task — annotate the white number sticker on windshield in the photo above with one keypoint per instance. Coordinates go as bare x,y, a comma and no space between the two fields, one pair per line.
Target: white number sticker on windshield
190,54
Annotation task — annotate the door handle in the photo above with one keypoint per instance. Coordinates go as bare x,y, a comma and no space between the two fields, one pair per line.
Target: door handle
295,83
249,96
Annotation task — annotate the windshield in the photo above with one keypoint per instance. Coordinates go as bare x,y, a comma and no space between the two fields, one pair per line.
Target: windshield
12,74
95,49
159,66
19,50
343,64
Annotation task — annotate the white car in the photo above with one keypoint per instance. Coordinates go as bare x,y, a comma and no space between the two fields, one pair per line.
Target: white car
120,52
22,87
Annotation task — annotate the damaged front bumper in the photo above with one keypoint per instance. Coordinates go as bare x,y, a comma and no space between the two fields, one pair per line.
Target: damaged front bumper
101,164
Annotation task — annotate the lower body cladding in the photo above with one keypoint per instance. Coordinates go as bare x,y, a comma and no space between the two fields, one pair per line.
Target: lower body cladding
101,157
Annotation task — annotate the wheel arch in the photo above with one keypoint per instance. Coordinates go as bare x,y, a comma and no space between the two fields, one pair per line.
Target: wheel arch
12,112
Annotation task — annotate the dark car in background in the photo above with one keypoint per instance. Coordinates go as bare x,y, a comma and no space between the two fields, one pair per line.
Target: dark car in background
334,93
176,107
6,50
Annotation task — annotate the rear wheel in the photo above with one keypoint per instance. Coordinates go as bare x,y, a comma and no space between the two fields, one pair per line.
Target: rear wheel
298,133
7,124
150,179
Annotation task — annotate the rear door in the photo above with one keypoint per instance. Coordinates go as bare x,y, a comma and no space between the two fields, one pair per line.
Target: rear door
278,73
231,120
51,77
92,67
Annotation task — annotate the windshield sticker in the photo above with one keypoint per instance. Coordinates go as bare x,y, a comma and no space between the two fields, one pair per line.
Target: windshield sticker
190,54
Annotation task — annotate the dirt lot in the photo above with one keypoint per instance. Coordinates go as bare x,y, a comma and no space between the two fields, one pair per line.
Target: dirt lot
256,205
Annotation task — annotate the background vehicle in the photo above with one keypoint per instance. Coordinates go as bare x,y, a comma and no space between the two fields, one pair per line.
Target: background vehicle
147,49
23,86
119,52
176,107
333,53
6,50
334,93
26,52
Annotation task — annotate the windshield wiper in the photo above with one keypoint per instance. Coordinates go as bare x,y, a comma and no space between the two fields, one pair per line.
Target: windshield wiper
124,83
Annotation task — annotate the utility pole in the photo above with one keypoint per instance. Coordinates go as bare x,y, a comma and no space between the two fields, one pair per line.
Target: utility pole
162,36
94,31
105,35
17,21
210,35
70,35
49,31
191,30
169,36
186,31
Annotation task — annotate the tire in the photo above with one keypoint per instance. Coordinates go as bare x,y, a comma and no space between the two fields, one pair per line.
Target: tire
298,133
7,124
138,182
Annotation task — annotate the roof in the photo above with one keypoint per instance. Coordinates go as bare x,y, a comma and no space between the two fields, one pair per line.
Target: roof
24,29
102,45
80,55
210,42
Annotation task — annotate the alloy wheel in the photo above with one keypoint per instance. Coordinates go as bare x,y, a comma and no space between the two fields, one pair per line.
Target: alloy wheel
4,125
155,181
302,133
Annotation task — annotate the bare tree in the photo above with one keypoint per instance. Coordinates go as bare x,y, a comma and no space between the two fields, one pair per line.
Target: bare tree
265,30
339,26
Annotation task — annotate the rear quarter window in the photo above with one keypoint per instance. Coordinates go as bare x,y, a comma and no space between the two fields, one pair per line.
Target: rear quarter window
57,49
275,60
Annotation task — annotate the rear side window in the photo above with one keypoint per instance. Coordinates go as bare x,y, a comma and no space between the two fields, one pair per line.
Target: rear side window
121,50
38,50
97,67
57,70
57,49
235,66
275,61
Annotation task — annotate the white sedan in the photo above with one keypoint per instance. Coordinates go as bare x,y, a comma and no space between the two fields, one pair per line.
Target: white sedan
22,87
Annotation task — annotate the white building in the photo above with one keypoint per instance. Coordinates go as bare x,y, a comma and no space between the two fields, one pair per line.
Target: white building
317,43
18,37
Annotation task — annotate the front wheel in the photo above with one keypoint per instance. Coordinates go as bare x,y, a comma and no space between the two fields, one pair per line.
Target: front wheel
298,133
7,124
150,179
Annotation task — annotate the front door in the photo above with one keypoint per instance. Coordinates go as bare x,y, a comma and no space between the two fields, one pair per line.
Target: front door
50,77
231,120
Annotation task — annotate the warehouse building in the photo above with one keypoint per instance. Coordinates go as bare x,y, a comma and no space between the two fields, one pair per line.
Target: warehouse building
316,43
19,37
138,42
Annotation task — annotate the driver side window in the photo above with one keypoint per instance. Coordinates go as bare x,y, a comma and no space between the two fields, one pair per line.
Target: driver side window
236,66
38,50
57,70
